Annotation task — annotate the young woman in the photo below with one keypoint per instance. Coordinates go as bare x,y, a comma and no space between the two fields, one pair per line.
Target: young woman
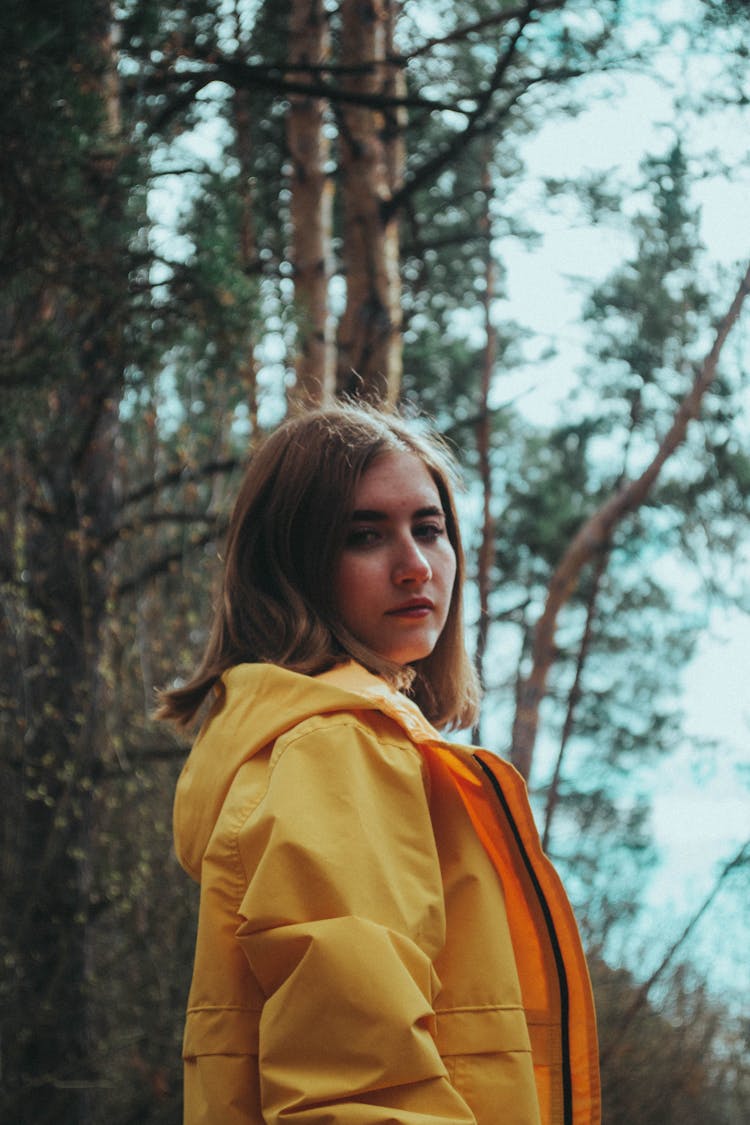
380,937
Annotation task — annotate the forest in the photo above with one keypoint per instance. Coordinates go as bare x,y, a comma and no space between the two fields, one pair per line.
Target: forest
216,212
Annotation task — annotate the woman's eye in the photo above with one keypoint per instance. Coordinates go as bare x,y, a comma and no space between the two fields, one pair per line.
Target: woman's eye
362,537
429,532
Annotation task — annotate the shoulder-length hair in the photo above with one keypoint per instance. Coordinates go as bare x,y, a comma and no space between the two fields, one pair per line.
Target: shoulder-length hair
286,533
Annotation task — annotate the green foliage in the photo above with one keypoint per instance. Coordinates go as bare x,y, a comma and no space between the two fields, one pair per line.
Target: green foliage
648,315
67,220
547,496
727,13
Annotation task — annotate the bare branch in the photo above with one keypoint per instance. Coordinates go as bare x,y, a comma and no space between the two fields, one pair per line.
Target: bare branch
460,140
641,996
460,238
154,748
240,75
181,474
595,534
162,565
574,695
150,519
494,20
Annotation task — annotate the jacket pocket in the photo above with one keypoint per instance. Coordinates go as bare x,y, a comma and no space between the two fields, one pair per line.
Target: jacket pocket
481,1030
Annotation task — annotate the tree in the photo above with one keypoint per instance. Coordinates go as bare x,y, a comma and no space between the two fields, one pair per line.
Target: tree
656,338
63,315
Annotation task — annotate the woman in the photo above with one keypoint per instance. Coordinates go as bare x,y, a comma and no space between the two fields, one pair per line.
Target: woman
380,939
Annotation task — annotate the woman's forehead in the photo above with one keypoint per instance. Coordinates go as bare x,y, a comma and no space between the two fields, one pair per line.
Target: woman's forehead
398,479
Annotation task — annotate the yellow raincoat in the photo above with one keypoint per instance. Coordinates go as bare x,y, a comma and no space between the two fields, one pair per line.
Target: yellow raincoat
381,940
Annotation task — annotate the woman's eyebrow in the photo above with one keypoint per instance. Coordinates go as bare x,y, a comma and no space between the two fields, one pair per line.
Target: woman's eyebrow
373,514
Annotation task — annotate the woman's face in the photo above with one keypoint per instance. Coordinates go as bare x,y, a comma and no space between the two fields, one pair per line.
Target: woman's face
396,572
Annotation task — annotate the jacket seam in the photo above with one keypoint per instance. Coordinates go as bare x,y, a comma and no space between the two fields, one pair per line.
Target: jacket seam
349,720
223,1008
480,1008
314,728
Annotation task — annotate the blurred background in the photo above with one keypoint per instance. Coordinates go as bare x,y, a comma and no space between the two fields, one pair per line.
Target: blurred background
526,220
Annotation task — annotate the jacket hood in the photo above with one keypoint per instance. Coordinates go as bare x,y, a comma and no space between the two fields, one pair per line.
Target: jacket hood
267,701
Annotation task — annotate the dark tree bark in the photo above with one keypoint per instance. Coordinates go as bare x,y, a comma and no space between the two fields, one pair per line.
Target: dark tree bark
248,249
311,209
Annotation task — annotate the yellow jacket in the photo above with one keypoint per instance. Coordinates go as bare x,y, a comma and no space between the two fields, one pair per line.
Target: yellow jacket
381,940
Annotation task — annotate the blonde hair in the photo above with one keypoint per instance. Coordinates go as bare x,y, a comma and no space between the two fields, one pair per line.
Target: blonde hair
286,533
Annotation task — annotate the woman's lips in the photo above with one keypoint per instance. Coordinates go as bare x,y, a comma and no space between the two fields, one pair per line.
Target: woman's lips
412,609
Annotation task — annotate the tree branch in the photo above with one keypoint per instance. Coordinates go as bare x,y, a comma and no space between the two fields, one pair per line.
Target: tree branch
180,474
154,519
494,20
574,695
459,141
243,76
641,996
153,748
595,534
162,565
460,238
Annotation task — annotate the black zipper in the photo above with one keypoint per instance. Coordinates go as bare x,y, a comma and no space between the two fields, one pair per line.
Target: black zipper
556,951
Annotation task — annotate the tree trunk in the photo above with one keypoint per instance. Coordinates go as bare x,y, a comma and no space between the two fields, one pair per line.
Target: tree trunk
595,535
311,208
57,596
369,336
394,114
248,248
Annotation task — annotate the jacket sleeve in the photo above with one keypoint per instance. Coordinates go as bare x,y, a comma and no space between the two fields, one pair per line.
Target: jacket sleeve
344,914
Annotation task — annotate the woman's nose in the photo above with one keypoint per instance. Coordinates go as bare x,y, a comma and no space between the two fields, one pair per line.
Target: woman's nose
411,563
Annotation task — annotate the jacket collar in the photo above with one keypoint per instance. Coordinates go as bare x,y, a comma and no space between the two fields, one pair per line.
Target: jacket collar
352,677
